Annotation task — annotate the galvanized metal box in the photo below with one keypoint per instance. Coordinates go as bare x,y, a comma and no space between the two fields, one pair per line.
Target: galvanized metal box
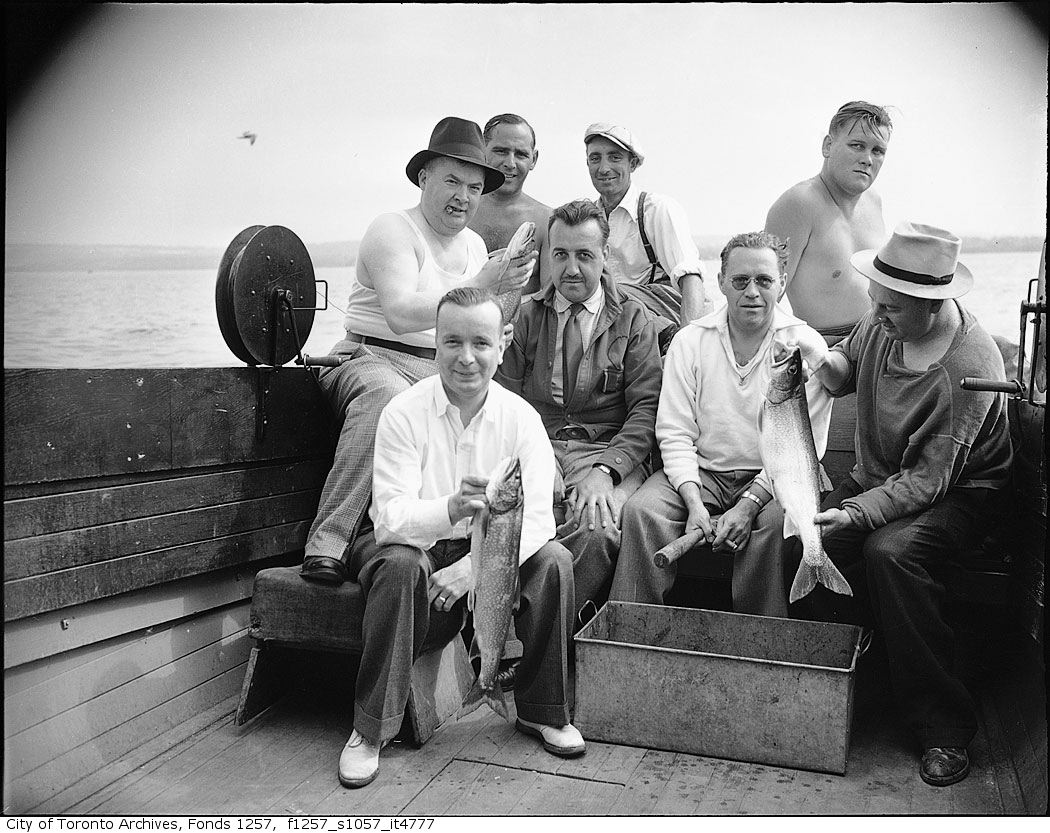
727,685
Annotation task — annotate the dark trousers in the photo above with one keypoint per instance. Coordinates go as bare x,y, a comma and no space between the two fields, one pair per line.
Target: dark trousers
897,576
399,622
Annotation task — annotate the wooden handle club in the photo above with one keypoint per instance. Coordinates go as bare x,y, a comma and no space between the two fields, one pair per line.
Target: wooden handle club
677,548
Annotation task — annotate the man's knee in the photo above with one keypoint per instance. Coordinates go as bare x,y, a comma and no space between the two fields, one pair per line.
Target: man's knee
552,562
399,564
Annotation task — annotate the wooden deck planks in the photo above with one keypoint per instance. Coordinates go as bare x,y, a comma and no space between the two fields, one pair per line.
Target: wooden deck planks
285,761
131,775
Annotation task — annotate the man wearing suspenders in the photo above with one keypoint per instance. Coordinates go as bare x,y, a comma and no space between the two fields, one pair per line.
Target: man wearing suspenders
652,255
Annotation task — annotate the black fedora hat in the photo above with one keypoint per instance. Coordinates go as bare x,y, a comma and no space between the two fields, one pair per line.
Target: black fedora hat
457,139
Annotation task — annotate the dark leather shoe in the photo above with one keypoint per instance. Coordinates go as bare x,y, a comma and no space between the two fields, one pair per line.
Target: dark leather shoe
505,678
944,765
326,570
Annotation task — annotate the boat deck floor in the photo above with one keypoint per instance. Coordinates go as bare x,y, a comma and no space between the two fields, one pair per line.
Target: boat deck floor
284,763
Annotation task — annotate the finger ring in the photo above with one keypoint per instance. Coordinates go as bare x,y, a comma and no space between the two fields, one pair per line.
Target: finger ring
733,544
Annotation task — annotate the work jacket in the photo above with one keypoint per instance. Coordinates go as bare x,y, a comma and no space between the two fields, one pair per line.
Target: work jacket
618,383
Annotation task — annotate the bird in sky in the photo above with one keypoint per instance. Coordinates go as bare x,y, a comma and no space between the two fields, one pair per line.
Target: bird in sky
248,135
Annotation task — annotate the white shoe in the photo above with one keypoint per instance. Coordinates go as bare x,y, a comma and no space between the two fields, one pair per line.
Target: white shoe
566,741
358,762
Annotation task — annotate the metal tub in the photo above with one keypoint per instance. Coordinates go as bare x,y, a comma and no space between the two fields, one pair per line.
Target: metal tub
727,685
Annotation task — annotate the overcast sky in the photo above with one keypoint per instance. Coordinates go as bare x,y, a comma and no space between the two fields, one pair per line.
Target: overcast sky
130,134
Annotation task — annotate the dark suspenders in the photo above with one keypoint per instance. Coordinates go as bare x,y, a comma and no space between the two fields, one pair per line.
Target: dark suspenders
649,253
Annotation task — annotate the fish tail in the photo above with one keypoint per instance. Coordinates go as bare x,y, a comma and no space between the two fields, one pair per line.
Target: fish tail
497,701
828,575
472,700
477,695
805,581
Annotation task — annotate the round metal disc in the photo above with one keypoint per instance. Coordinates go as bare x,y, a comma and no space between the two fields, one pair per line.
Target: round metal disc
273,259
224,296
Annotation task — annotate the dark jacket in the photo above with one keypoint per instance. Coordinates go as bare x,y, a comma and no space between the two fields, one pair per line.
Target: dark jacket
618,386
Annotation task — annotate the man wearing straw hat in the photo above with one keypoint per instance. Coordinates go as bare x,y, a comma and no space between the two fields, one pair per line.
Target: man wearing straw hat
407,261
929,456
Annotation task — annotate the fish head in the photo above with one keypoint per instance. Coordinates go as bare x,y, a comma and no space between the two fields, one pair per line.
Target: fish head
504,491
785,375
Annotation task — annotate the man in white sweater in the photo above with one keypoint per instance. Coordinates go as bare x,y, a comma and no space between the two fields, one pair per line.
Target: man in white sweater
716,375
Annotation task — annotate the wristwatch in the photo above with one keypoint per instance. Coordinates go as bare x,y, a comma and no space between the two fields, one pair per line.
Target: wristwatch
747,493
606,470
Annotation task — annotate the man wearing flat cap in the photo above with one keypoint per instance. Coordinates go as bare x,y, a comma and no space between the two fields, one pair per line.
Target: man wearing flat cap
930,454
406,262
652,255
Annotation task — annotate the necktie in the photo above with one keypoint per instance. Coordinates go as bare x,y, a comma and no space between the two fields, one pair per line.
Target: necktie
571,352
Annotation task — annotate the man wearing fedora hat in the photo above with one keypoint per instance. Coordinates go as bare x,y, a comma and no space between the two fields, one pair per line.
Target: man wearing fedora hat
652,255
929,456
406,262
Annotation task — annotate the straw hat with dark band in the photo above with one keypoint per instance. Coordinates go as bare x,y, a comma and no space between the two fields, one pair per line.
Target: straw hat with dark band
917,260
457,139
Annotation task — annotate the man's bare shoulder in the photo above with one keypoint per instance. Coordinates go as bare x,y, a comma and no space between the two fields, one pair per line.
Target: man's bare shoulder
388,234
807,194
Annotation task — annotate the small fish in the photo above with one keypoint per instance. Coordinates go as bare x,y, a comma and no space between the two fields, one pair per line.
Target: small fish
790,459
522,241
495,539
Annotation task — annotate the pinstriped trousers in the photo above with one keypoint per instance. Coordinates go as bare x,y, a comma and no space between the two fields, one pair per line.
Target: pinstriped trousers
357,391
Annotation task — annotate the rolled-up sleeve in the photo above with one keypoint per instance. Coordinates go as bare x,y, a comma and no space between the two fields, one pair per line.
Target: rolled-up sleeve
667,227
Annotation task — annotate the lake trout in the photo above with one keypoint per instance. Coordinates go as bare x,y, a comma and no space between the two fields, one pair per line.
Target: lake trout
522,241
789,457
495,539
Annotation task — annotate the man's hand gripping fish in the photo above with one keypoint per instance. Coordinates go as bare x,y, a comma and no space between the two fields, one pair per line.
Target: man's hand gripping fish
524,240
495,539
790,460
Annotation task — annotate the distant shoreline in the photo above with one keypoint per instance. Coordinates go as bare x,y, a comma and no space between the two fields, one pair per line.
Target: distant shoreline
39,257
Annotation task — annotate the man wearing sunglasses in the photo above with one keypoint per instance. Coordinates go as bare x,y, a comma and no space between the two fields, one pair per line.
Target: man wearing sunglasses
716,374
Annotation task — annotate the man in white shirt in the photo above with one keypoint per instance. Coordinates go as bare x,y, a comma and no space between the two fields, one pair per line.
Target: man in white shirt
407,261
652,255
716,375
435,445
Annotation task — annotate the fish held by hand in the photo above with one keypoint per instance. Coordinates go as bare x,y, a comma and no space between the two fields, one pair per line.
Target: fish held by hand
495,541
789,457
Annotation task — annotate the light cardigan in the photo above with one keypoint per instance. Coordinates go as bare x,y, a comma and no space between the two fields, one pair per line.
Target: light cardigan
423,451
709,405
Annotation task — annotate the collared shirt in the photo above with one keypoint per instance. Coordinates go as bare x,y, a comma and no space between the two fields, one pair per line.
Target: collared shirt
709,405
592,308
423,451
666,226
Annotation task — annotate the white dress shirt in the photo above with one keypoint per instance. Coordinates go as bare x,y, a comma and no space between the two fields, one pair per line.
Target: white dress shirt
666,226
588,317
423,452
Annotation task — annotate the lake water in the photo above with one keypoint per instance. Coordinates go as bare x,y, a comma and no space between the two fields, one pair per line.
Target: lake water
167,318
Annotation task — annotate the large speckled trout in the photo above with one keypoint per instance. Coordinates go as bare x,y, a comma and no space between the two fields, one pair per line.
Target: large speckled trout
494,544
790,459
522,241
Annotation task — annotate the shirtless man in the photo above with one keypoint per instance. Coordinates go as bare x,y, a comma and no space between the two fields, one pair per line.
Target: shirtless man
510,147
826,218
407,261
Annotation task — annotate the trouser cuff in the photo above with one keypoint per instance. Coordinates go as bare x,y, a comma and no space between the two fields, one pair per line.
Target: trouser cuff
376,730
547,715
